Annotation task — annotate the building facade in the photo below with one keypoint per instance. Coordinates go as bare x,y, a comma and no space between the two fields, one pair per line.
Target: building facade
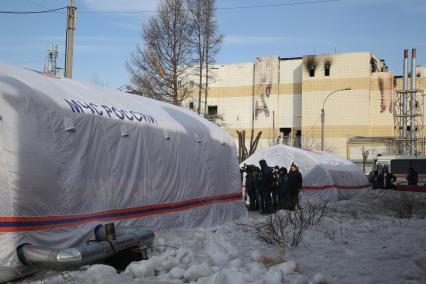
283,98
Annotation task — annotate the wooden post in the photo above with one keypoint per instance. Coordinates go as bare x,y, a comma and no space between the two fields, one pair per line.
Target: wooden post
69,44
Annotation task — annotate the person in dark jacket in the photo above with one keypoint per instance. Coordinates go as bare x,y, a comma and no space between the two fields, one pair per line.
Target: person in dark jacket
275,176
266,182
251,188
412,177
283,194
294,183
386,179
261,190
374,180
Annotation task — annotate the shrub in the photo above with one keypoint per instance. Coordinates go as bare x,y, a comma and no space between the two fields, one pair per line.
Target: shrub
287,227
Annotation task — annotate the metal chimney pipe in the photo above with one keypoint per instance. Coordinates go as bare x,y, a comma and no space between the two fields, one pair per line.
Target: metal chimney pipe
413,102
404,101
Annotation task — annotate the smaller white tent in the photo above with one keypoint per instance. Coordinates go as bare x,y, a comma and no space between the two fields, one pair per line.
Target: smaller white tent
325,175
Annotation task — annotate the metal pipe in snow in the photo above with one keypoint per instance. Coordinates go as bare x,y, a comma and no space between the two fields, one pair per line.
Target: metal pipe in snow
92,252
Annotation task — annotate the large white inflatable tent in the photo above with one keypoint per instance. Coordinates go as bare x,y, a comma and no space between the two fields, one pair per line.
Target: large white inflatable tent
73,156
325,176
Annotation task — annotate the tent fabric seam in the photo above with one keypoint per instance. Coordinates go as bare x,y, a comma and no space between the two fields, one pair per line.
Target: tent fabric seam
9,181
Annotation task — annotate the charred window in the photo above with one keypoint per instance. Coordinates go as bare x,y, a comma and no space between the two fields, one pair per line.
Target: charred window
327,70
212,110
191,105
312,71
286,135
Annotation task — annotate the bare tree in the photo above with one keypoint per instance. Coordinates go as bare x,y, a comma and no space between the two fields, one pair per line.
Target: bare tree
243,152
198,22
213,40
365,154
160,69
206,41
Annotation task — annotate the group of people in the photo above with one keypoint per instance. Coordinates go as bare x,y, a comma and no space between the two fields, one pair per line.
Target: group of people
385,180
271,189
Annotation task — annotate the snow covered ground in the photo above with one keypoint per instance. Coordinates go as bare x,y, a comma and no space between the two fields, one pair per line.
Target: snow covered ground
358,241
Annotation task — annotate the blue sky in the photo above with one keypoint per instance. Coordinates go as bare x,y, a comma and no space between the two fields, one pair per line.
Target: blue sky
104,42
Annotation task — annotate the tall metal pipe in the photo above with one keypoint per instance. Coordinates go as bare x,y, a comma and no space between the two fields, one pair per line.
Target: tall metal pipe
252,104
413,102
404,101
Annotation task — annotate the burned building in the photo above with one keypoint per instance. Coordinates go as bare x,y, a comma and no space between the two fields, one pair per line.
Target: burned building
283,97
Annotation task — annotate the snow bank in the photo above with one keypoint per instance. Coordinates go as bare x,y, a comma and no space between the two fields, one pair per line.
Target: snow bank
215,257
357,242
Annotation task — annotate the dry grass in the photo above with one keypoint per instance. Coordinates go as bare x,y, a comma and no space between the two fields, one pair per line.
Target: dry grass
269,261
405,206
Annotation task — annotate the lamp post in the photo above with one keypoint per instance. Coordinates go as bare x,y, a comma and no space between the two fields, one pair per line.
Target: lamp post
323,115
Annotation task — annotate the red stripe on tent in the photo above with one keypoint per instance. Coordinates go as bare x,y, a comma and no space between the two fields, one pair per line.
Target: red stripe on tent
62,217
157,209
327,186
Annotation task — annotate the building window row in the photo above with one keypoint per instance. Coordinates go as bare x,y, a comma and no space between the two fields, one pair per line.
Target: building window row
326,70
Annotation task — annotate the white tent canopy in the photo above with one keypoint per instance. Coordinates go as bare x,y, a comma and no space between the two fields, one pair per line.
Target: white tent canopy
73,155
325,175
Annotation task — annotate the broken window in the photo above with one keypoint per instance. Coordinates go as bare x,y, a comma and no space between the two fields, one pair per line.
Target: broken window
326,70
286,135
212,110
312,71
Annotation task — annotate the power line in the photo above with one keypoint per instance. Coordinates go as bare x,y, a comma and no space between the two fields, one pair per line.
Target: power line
42,6
153,11
277,5
31,12
218,8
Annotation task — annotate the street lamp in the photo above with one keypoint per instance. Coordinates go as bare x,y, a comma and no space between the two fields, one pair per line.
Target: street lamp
323,115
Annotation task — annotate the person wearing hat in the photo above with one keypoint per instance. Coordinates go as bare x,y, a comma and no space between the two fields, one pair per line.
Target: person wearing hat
294,183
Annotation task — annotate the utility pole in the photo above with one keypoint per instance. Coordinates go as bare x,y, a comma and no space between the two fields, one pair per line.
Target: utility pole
69,44
273,128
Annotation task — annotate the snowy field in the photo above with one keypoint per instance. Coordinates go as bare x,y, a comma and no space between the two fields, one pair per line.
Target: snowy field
358,241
